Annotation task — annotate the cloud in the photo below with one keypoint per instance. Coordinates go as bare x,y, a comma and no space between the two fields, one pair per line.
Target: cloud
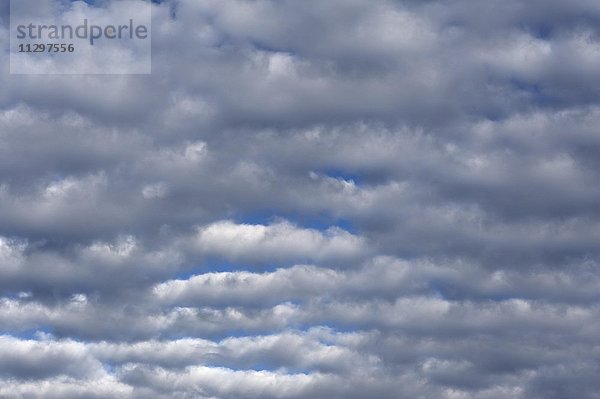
31,359
316,199
276,242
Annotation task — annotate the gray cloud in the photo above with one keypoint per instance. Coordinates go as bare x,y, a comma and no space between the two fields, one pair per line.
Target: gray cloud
316,199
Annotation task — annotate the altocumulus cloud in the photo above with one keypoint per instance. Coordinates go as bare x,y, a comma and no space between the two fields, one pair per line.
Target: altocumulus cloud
310,199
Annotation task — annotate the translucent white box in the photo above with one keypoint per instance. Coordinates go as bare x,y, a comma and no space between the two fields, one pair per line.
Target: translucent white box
58,37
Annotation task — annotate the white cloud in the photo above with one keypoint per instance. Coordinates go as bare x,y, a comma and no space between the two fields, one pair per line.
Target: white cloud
276,242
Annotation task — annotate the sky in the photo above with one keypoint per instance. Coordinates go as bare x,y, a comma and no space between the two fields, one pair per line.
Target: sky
311,199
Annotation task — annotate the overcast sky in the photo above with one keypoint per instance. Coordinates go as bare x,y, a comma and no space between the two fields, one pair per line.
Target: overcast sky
310,199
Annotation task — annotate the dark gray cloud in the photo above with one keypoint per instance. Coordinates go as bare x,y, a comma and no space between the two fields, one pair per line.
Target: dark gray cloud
315,199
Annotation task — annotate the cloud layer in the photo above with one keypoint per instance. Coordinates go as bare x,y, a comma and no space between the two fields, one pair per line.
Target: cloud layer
310,199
